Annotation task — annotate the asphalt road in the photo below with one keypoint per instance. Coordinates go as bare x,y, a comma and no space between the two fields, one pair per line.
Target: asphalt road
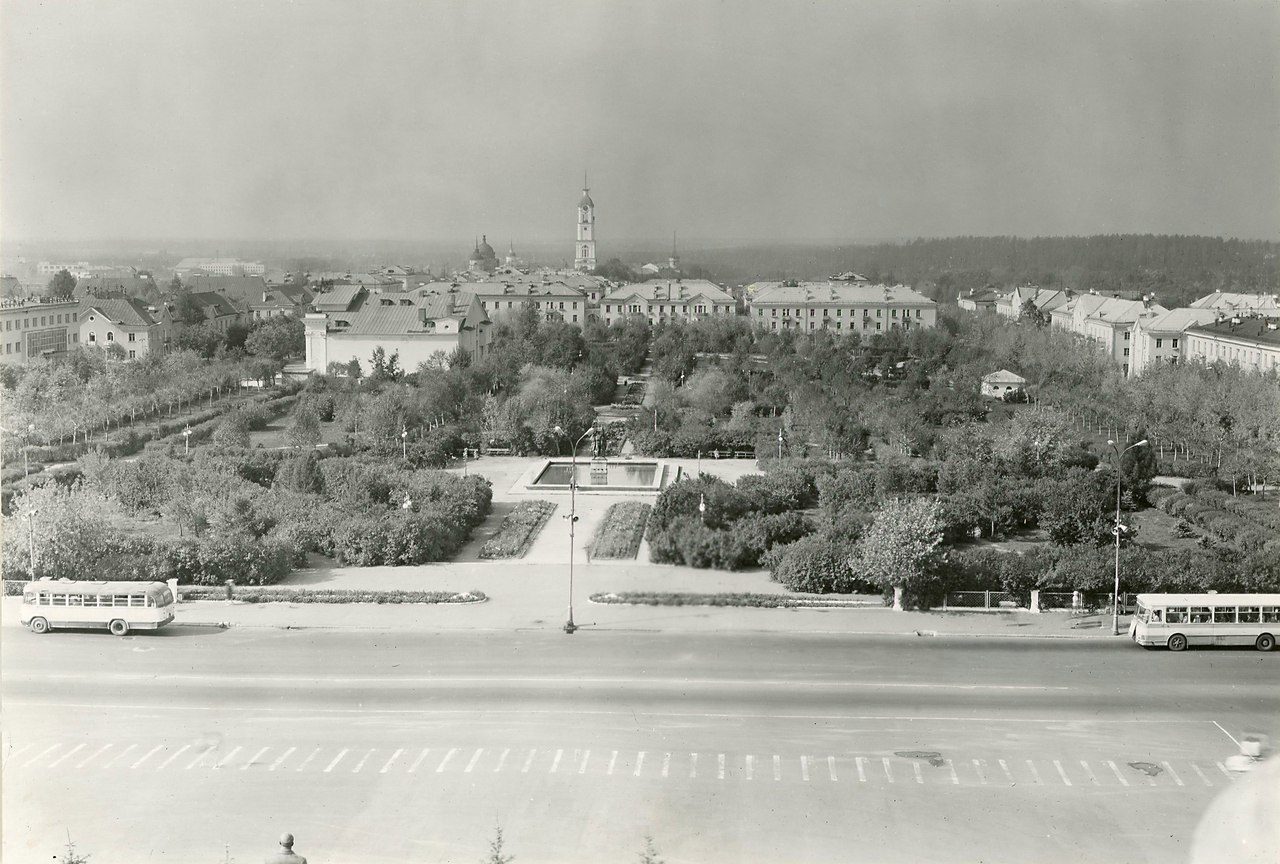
198,744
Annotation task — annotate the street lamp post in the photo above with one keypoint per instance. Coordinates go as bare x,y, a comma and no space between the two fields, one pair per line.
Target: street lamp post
404,443
186,441
779,442
702,508
1115,597
569,626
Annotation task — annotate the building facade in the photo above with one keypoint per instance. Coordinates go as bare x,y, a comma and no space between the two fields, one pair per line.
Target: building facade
34,327
1003,384
219,267
584,254
125,321
1045,300
1161,338
667,300
1250,343
842,307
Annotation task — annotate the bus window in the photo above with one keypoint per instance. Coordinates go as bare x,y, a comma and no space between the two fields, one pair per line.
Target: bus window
1248,614
1224,615
1176,615
120,600
1270,614
141,600
1200,615
59,599
75,600
1156,616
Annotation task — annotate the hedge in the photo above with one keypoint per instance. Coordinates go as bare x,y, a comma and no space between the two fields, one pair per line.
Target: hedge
763,601
518,530
331,595
620,531
739,546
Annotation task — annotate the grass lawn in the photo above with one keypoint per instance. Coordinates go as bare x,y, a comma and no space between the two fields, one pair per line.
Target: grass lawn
518,529
620,531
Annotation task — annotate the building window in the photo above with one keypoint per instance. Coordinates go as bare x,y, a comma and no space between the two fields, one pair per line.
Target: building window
131,335
877,326
1159,343
1126,352
1126,335
893,313
918,313
93,337
133,354
879,314
111,336
1173,343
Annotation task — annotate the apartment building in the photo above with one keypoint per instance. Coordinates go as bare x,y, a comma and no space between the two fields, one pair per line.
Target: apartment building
667,300
34,327
1250,343
1161,337
839,306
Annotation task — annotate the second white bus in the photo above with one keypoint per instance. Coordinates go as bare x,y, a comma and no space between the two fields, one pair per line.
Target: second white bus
1177,621
117,606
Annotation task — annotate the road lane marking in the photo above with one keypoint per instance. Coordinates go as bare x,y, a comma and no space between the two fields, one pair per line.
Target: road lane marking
280,759
777,767
46,751
804,768
1004,766
582,766
74,750
305,762
613,760
1116,771
1225,772
919,773
982,775
426,751
96,754
116,758
529,761
1225,732
888,770
227,758
639,763
1196,768
693,765
555,763
14,754
666,764
254,758
951,769
1172,773
363,759
153,751
1035,774
475,757
502,760
445,761
1092,777
391,761
1063,774
862,775
751,766
198,760
336,760
165,764
831,769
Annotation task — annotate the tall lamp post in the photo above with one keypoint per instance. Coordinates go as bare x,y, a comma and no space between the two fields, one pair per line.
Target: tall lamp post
1115,597
186,441
404,443
569,626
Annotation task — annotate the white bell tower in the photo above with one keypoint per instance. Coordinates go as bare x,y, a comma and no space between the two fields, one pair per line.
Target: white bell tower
584,255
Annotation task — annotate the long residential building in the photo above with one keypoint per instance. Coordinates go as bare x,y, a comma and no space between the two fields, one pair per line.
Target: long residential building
663,301
1233,303
552,299
1250,343
839,306
36,327
1045,300
1161,337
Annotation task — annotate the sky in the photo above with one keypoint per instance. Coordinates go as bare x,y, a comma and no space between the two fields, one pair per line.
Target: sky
754,120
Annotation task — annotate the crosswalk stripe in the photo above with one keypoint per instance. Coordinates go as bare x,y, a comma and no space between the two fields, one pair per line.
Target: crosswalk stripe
693,765
666,764
363,759
445,761
529,761
253,759
555,763
777,767
280,759
1035,773
804,768
613,760
831,769
502,760
888,770
639,763
228,757
475,757
582,766
42,754
198,760
336,760
1172,773
394,756
1225,772
116,758
305,762
172,756
74,750
919,773
1116,771
1063,774
982,775
1008,775
862,775
750,766
421,756
720,767
14,754
951,769
153,751
1196,768
95,755
1093,778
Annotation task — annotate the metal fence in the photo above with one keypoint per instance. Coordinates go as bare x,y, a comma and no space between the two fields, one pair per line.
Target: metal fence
1082,602
980,600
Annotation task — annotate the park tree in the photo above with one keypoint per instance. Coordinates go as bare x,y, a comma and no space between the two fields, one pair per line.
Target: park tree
63,284
901,549
280,338
232,432
1075,508
65,528
305,429
1137,468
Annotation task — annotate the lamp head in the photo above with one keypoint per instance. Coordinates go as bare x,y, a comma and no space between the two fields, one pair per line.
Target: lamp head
558,430
1110,443
1142,443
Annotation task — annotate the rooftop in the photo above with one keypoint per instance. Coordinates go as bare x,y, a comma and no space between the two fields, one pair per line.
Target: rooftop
1176,320
671,290
1264,331
1229,301
125,311
835,292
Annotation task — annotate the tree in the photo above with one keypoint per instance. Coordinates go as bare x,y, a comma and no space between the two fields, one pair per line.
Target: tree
63,284
233,431
1137,467
1076,508
278,338
1030,314
900,548
496,855
187,309
649,854
305,430
66,528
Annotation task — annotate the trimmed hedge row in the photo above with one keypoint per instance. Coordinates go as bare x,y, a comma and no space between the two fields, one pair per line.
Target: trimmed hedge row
1228,521
331,595
739,546
762,601
518,529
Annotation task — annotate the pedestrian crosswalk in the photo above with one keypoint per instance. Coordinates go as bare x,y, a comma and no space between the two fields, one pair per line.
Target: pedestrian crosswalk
402,759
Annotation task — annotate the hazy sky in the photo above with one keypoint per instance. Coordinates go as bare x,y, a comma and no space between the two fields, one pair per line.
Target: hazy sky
750,120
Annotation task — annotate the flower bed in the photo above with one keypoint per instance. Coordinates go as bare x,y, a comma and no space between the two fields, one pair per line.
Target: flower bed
518,529
762,601
329,595
620,531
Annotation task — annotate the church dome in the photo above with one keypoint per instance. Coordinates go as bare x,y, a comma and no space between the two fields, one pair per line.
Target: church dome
484,250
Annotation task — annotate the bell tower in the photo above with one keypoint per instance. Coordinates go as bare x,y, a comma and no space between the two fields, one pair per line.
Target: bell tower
584,256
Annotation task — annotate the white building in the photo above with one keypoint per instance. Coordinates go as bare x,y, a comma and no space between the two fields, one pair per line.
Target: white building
1230,303
843,307
1160,337
1250,343
34,327
1004,383
667,300
584,255
219,267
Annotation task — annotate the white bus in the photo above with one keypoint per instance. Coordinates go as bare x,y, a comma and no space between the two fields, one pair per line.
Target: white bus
117,606
1180,620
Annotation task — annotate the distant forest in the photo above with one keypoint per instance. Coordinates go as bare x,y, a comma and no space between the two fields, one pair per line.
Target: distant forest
1176,268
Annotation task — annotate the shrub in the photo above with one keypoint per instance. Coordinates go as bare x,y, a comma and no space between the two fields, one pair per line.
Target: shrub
301,474
816,565
620,531
518,530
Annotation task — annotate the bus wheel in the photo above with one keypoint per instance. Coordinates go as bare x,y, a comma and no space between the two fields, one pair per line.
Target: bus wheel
1177,642
1265,642
118,627
39,625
